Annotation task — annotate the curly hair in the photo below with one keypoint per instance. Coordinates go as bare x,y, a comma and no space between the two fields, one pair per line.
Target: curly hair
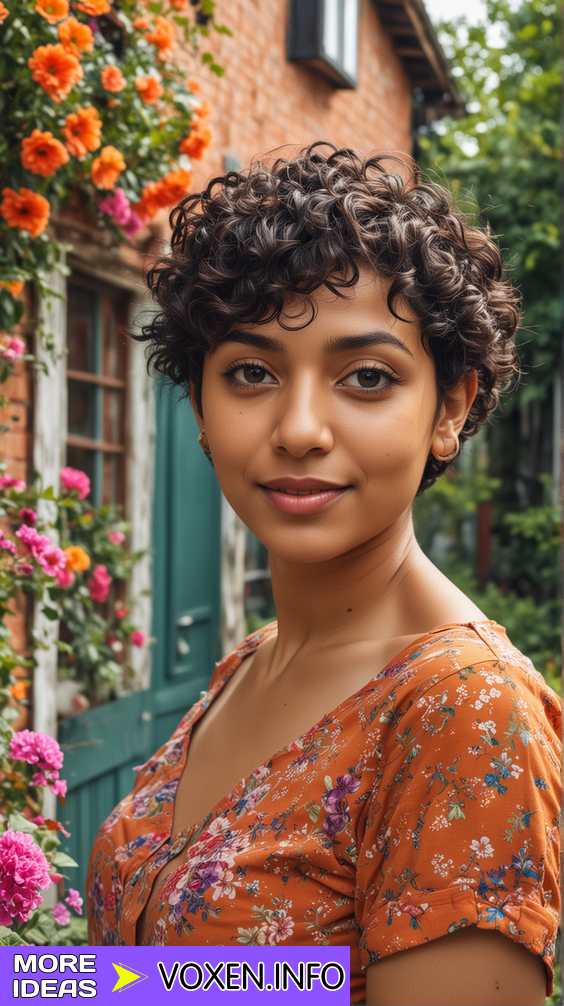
252,239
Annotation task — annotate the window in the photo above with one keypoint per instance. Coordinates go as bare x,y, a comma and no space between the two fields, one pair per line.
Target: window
96,372
323,34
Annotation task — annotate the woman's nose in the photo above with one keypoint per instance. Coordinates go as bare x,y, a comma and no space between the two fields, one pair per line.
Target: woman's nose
301,424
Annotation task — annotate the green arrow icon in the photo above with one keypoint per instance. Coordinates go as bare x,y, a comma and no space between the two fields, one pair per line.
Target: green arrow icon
127,976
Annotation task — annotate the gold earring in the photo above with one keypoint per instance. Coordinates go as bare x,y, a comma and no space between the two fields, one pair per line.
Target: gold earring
205,446
452,455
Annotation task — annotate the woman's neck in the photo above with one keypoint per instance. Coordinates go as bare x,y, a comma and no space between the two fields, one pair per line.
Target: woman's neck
376,591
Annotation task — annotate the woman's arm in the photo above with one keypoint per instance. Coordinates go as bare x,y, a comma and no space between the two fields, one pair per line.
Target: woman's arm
471,967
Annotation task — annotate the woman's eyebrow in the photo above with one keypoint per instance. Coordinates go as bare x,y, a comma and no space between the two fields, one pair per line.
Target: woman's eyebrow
337,344
344,343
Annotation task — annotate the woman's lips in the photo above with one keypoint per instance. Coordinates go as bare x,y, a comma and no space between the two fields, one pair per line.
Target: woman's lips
289,502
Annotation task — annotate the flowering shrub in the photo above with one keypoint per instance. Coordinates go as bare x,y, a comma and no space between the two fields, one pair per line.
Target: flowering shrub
79,580
111,123
73,581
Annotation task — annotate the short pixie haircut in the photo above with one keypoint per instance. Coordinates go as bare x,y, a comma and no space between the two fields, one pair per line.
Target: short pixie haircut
253,239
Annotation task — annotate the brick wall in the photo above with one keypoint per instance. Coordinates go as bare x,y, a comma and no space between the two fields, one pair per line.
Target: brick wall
263,101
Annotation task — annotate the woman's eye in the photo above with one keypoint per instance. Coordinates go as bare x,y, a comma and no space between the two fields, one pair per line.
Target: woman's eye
252,375
367,378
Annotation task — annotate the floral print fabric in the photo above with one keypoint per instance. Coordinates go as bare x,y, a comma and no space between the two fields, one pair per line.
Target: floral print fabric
427,801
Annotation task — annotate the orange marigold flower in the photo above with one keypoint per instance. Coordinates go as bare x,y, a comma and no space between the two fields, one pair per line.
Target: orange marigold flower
25,209
19,690
179,4
203,110
112,103
14,288
52,10
197,143
93,7
149,89
113,79
77,559
162,36
82,131
142,24
3,12
42,153
107,168
55,69
166,192
75,36
194,86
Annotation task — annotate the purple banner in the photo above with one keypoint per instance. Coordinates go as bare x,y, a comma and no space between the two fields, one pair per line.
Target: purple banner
169,974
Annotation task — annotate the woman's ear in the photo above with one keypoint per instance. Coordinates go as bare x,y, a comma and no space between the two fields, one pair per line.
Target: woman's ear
454,412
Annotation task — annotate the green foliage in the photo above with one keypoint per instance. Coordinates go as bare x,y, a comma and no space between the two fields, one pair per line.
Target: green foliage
505,156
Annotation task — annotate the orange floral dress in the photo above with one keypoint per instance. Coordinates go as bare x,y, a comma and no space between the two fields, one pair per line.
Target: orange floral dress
427,801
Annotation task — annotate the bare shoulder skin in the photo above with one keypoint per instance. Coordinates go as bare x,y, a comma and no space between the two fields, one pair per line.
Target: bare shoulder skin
319,439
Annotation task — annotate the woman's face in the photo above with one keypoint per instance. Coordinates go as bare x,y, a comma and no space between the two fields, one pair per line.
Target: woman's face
319,437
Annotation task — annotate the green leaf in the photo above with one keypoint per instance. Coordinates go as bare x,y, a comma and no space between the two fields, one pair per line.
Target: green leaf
17,822
61,859
51,613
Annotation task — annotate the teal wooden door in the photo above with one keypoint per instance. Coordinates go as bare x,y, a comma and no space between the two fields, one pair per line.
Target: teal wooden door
103,745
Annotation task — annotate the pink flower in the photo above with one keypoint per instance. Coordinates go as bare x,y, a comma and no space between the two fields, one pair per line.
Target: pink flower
58,787
25,568
121,612
14,349
117,206
52,560
74,900
137,638
99,584
8,482
116,537
27,515
49,556
64,577
39,820
9,546
36,749
56,877
73,478
134,224
61,914
24,870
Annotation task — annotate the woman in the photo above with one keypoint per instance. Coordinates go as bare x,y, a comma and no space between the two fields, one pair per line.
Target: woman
341,333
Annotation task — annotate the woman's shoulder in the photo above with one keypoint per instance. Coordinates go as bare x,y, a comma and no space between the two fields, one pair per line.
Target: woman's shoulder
246,647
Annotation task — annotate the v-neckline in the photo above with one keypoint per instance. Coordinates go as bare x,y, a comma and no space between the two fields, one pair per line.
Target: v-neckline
245,651
234,662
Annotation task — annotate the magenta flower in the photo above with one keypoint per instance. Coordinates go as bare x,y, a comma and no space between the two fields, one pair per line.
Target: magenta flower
64,577
74,900
24,871
39,820
58,786
61,914
116,537
14,349
137,638
49,556
117,207
73,478
99,584
8,546
9,482
36,749
133,225
27,515
25,568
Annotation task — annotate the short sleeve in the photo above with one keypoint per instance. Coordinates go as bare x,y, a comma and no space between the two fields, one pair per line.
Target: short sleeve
462,826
